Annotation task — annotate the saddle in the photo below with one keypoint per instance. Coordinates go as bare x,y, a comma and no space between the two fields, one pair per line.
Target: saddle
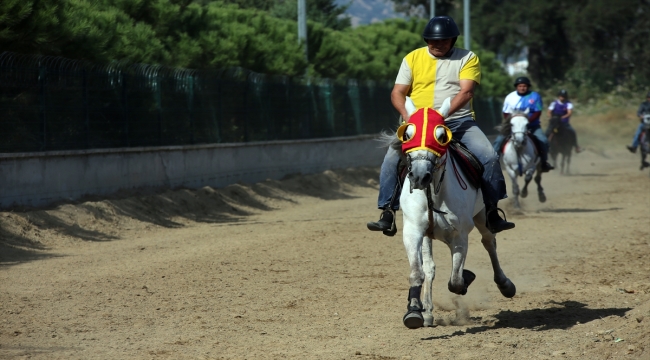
468,163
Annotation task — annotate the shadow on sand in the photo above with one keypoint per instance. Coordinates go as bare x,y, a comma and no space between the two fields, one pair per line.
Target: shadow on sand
578,210
562,316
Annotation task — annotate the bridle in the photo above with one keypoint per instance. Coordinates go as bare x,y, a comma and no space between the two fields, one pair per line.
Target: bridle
517,144
437,163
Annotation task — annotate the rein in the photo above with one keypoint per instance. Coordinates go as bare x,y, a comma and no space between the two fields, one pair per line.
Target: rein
430,205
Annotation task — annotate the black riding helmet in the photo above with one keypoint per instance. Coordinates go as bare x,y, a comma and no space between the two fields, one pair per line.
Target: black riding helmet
563,93
440,28
522,80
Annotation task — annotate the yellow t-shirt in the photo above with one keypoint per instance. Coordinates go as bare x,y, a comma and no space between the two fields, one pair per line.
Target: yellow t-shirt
434,79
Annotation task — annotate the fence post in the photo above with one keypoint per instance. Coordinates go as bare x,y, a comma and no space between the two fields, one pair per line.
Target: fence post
159,108
125,110
191,106
355,99
246,91
219,112
42,73
84,75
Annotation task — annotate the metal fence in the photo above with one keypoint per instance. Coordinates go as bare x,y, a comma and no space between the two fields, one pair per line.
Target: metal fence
53,103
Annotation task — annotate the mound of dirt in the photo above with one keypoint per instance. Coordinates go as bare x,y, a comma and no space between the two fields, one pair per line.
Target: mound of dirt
26,232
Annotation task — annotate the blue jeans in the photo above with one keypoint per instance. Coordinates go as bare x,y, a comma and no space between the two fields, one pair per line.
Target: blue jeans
466,131
635,141
537,132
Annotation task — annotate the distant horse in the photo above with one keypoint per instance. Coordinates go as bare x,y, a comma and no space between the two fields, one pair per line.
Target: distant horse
520,158
440,207
560,141
644,141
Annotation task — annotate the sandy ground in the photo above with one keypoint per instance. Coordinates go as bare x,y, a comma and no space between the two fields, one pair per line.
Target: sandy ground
287,269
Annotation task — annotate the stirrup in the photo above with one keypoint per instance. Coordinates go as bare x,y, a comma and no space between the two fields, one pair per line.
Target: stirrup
504,220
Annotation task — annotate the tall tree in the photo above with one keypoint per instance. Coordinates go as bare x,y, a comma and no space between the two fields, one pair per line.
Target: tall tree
422,7
325,12
592,42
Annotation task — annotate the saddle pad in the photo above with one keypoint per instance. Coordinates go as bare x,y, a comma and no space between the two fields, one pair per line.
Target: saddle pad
469,163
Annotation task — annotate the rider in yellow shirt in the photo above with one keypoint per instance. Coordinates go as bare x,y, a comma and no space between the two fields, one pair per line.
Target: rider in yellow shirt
429,75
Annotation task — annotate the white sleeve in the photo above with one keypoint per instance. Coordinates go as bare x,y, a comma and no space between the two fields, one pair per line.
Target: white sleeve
569,106
552,106
404,76
506,105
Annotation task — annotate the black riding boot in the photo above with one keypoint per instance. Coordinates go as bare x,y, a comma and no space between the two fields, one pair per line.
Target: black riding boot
543,154
494,222
386,223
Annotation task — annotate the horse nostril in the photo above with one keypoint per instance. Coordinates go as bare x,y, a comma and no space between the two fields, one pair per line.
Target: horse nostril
426,179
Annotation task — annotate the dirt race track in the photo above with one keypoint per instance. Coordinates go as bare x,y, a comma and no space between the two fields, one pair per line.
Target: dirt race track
287,269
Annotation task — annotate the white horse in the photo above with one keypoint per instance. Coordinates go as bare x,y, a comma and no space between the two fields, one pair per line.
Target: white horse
449,213
520,158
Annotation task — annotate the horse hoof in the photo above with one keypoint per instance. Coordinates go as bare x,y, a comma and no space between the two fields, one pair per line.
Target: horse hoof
508,289
524,193
468,278
542,197
428,320
414,319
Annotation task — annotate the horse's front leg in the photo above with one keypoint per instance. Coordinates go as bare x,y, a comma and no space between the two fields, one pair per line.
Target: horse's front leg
415,225
515,187
460,278
528,176
429,268
540,189
489,240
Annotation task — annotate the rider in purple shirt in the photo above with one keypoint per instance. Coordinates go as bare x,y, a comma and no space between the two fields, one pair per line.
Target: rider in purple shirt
563,108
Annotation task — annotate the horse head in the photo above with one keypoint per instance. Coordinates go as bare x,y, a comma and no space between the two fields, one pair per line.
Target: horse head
518,123
424,142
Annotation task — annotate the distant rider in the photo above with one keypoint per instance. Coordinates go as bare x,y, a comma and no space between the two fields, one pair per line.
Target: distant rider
644,108
520,100
563,108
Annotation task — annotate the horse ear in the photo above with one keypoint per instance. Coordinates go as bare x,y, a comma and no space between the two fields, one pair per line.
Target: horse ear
526,111
444,109
410,106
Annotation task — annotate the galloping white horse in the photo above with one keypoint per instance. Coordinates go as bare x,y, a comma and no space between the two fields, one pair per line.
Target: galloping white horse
439,207
520,158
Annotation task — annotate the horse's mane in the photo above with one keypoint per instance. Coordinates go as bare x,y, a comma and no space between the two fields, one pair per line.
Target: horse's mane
506,127
389,139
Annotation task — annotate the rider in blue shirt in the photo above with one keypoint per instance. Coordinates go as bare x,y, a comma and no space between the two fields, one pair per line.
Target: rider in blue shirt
520,100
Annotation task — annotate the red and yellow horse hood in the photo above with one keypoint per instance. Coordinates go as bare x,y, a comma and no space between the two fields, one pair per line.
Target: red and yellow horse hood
425,122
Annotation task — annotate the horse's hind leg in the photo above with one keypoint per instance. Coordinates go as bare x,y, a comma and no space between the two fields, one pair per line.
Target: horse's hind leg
540,189
429,268
489,241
